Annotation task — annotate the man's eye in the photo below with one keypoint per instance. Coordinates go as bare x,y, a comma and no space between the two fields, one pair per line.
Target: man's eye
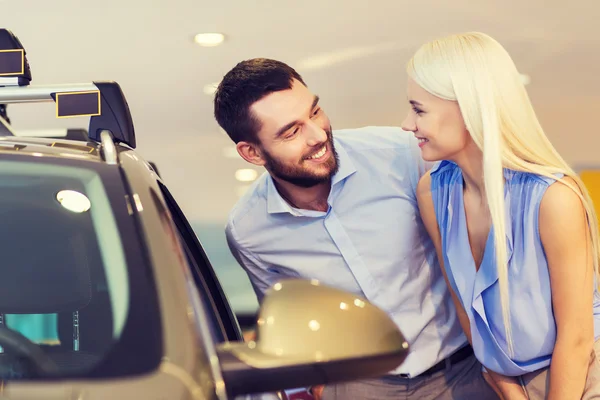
292,133
316,112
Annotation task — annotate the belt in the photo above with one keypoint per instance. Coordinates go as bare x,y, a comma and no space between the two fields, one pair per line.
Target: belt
455,358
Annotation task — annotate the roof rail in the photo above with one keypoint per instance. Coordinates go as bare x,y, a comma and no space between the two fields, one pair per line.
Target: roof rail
108,149
103,101
73,134
5,128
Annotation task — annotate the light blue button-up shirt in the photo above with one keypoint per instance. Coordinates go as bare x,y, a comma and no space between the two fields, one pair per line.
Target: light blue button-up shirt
370,241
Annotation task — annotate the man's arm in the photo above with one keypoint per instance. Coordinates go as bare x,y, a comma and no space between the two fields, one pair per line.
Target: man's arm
251,266
257,273
261,280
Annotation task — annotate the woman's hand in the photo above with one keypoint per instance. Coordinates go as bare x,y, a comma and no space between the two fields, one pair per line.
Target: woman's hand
507,388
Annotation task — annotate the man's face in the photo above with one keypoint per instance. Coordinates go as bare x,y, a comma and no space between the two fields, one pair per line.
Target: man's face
295,138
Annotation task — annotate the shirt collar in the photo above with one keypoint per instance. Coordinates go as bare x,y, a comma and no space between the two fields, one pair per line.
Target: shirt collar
346,166
276,203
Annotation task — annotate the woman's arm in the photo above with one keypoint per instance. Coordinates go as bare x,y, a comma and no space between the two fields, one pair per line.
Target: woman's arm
506,387
566,240
427,211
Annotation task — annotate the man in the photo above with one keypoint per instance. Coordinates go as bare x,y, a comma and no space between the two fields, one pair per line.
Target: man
340,207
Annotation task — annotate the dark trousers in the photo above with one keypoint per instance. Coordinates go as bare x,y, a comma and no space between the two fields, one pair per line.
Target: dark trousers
461,381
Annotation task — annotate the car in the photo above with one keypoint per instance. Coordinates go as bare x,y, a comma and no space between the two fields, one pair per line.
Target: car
106,291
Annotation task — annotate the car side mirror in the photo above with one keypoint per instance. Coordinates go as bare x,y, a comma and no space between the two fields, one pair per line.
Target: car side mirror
311,334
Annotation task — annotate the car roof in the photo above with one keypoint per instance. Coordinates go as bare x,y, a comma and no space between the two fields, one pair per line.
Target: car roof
39,147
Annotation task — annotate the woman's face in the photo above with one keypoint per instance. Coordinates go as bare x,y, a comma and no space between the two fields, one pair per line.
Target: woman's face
437,123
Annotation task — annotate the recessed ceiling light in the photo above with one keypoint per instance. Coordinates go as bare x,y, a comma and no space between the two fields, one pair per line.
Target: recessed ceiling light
246,175
209,39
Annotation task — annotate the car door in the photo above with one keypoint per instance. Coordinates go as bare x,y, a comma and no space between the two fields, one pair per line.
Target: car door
207,284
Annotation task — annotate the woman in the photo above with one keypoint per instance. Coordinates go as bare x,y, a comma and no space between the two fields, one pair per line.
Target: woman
514,227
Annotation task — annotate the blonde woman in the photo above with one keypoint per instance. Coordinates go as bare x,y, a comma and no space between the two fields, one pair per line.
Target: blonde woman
513,225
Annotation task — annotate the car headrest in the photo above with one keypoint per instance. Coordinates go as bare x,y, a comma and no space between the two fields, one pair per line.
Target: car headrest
44,266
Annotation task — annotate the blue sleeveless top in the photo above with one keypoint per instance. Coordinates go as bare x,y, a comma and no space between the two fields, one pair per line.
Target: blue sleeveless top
531,316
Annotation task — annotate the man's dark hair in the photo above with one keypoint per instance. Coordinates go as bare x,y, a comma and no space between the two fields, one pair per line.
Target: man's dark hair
248,82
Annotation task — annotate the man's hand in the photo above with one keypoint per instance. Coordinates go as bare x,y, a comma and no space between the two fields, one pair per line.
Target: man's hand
302,394
317,392
249,336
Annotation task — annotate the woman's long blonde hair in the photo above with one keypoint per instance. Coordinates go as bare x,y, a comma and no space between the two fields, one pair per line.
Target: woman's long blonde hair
477,72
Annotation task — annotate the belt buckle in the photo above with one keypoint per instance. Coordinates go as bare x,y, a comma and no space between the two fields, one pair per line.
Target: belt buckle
449,364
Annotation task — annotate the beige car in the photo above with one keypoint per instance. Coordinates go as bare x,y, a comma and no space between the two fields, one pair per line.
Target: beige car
106,292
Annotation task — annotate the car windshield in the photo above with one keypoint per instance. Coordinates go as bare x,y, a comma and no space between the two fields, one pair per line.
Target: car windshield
65,278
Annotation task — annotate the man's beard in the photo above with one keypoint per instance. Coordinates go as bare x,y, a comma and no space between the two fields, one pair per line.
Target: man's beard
298,174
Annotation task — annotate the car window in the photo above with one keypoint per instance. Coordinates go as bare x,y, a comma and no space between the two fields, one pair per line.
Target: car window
66,273
204,276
